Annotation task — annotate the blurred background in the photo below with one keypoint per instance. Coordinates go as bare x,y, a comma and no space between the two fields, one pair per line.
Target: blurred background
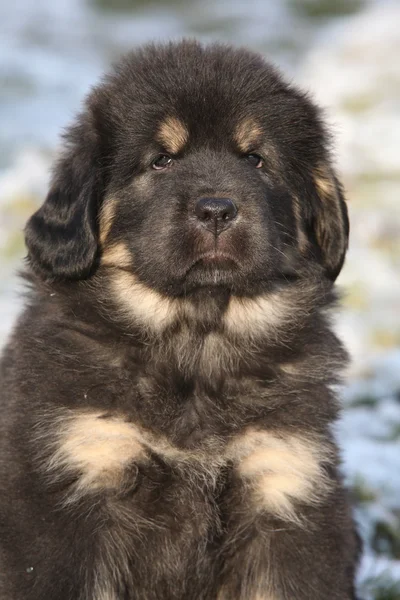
347,54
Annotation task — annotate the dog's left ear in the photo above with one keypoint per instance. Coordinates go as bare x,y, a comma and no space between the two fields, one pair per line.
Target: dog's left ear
62,236
329,220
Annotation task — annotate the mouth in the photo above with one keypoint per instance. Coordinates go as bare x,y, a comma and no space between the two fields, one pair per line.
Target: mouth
212,269
215,259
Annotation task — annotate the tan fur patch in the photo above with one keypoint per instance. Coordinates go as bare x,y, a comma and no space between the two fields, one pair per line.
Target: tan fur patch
251,317
248,134
99,451
332,213
282,469
117,255
224,595
96,448
290,368
173,135
302,239
324,182
103,594
106,218
140,303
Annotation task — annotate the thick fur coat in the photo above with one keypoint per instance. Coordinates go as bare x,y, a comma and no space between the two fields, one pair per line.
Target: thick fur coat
167,394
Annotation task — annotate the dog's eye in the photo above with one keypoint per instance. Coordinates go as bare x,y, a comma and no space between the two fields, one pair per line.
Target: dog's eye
162,162
255,160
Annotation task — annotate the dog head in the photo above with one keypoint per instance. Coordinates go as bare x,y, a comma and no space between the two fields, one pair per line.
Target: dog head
193,168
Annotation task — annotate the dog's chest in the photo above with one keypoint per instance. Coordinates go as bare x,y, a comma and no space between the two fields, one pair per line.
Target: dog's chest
173,500
107,454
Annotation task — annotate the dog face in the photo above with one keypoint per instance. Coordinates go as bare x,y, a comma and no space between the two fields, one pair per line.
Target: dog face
193,169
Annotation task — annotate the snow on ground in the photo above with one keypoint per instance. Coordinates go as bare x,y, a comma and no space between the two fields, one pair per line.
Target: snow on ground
346,55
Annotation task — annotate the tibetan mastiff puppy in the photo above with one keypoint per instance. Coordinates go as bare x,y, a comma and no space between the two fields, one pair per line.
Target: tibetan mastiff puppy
167,394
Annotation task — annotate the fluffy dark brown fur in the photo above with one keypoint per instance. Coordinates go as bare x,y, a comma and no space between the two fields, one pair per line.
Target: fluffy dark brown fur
167,394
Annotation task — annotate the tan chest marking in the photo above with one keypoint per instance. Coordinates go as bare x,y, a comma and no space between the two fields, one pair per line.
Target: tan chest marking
282,470
96,449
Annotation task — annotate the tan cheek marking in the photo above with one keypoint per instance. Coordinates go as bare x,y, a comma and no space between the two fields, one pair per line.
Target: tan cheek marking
248,134
173,135
250,317
117,255
283,470
106,218
140,303
97,449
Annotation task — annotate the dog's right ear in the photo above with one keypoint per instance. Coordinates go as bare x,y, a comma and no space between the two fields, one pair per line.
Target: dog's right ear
62,236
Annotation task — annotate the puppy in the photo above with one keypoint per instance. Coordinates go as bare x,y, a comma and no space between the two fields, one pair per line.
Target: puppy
167,394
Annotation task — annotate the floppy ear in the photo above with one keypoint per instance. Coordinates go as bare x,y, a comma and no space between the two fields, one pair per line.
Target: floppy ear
61,236
329,221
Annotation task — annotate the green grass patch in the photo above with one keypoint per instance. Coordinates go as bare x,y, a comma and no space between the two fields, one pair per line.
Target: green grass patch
126,6
365,400
386,538
319,9
381,588
361,493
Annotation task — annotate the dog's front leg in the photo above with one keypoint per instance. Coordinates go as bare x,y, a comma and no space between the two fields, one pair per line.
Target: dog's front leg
289,530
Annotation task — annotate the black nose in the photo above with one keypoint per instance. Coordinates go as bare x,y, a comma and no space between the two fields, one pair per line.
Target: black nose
215,214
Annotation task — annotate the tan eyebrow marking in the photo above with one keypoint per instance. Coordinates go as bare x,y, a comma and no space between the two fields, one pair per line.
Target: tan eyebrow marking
247,135
173,135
